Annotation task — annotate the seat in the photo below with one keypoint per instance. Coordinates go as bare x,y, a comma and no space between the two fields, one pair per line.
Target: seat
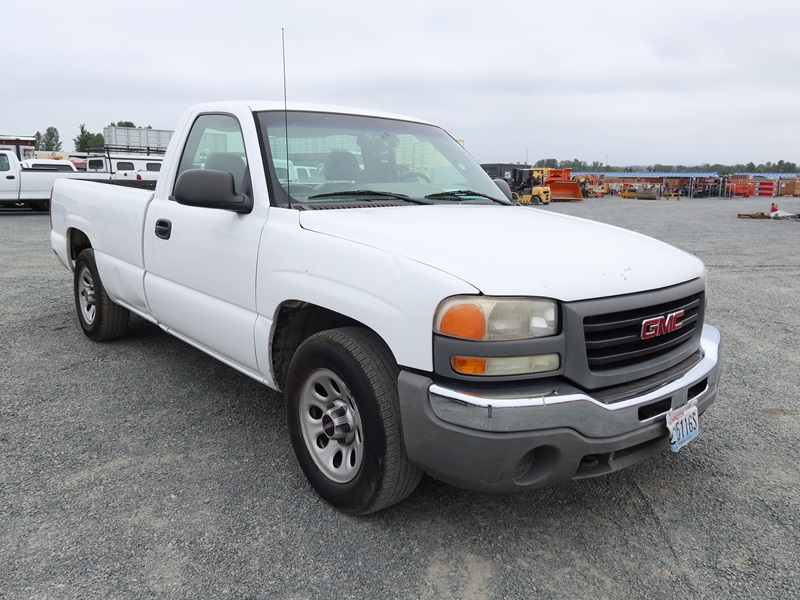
340,170
230,162
341,166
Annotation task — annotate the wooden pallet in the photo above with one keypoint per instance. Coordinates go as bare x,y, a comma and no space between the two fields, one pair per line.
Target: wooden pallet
758,215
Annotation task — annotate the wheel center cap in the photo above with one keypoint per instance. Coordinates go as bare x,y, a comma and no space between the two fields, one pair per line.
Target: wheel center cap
337,424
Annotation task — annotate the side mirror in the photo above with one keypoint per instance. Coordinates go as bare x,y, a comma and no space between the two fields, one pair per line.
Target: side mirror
208,188
504,187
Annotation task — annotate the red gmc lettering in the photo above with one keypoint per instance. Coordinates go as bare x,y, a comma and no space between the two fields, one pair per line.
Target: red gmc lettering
660,325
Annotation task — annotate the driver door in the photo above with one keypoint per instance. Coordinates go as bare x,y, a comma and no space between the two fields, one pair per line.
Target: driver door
9,181
200,263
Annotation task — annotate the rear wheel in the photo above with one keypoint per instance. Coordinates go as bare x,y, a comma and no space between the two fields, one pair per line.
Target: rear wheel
101,319
344,421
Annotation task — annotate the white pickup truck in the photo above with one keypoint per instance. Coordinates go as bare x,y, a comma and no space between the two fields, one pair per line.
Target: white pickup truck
387,304
26,183
29,183
140,175
48,164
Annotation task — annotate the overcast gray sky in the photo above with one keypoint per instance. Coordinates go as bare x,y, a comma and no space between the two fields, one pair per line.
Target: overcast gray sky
678,82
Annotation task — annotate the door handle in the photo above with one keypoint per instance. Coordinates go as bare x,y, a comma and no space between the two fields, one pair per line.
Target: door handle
10,177
163,228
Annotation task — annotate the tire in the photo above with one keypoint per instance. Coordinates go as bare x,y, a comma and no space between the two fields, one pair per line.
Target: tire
344,421
101,319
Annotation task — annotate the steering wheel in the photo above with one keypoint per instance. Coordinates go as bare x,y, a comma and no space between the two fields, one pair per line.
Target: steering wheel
412,176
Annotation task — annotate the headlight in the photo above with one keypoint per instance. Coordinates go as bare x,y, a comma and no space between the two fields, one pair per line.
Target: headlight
485,318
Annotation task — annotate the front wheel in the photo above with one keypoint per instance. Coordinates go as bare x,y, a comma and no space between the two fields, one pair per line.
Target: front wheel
344,421
101,319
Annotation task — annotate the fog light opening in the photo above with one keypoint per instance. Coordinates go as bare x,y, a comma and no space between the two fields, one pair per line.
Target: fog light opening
698,388
656,408
536,465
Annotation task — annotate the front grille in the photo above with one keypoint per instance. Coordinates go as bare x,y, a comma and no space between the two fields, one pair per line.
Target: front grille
614,340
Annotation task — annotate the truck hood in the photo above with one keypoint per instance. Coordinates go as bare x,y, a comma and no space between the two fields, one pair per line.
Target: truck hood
515,251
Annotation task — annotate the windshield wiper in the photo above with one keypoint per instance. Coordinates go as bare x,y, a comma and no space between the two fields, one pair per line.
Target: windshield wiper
370,193
463,194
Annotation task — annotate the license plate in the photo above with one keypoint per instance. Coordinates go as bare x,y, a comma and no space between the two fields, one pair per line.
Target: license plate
683,426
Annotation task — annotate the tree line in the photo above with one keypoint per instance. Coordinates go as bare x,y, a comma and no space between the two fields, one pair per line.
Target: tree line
50,140
781,166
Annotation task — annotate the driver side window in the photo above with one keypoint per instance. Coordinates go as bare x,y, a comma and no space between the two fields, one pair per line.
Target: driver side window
216,142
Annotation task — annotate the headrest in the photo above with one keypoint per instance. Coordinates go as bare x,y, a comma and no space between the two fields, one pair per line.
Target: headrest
341,165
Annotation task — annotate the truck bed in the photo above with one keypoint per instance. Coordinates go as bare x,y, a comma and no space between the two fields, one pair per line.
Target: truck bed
112,216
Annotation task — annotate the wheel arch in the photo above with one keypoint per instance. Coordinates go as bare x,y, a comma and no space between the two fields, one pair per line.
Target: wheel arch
295,321
77,242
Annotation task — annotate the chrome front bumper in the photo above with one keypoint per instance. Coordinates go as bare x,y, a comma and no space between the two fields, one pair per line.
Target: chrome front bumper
511,438
562,405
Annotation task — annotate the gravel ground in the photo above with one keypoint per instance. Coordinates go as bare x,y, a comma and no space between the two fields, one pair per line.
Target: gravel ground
143,468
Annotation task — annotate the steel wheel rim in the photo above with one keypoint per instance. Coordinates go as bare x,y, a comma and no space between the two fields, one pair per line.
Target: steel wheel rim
86,295
323,398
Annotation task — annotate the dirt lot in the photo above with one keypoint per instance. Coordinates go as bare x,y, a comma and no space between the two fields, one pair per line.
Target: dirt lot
143,468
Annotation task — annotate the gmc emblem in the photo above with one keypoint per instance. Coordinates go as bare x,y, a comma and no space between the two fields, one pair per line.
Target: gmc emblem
660,325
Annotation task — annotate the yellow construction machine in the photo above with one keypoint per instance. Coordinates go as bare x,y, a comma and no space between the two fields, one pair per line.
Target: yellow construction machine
528,187
537,185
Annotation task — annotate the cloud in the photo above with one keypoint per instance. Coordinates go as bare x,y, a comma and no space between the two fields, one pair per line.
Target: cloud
683,82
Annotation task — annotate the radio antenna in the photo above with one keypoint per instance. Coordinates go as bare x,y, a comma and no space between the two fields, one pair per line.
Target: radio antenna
286,120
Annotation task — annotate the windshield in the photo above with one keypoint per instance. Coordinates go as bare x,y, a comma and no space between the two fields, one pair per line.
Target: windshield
327,155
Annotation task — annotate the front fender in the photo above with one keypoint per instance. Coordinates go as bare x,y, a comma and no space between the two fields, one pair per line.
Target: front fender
393,295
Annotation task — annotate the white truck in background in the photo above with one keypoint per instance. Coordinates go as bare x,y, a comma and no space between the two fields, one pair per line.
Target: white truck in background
140,175
150,173
112,161
30,186
130,153
30,182
49,164
383,302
